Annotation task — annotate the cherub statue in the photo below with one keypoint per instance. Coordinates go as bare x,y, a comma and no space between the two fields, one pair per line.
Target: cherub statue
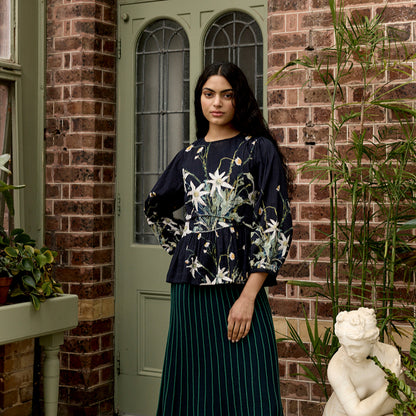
359,386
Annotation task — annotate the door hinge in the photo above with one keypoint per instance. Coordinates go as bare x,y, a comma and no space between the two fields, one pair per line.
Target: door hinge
118,205
118,48
118,363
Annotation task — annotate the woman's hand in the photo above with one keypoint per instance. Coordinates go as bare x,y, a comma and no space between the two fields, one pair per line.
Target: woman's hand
239,318
241,313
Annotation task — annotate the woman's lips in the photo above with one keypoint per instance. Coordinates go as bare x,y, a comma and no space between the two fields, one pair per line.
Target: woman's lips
217,113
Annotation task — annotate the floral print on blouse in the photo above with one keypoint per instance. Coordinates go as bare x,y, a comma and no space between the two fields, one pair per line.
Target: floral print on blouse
237,214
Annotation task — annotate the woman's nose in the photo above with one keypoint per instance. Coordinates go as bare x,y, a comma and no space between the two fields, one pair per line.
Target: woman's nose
217,101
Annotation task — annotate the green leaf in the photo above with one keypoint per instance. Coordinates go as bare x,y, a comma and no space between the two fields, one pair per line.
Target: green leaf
48,256
27,264
42,260
35,301
37,274
29,281
11,251
409,225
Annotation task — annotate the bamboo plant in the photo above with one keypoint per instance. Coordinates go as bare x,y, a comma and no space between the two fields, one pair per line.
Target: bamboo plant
374,177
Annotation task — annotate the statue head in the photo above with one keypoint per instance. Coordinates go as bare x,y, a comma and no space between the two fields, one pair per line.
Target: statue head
357,332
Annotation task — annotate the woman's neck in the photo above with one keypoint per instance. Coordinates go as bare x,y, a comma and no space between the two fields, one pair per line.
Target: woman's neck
220,133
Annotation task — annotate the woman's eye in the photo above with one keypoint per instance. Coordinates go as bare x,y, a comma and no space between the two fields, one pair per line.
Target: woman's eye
228,96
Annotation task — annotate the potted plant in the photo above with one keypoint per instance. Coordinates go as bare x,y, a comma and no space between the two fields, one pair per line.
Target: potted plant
5,281
29,267
5,189
24,268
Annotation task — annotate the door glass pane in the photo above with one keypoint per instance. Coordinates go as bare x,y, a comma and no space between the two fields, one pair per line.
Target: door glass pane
236,37
5,12
162,109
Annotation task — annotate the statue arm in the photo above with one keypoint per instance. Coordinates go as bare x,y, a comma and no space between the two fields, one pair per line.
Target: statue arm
378,404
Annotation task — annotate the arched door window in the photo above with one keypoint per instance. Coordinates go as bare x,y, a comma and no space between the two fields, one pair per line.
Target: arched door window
162,108
236,37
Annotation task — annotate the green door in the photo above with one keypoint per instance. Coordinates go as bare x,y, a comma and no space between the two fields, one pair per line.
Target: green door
162,49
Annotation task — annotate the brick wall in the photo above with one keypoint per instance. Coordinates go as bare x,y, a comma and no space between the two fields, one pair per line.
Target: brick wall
80,144
298,117
16,378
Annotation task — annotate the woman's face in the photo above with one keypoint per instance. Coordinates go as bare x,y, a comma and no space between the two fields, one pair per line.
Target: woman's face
217,101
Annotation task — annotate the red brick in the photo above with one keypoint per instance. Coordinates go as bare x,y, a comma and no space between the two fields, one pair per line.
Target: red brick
294,389
91,257
285,307
285,5
279,116
21,409
92,291
313,20
71,174
91,223
285,41
398,13
77,11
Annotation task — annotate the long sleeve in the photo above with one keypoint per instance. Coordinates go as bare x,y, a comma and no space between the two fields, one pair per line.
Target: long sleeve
272,234
166,197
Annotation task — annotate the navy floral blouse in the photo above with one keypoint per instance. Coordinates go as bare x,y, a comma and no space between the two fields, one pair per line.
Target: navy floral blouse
237,214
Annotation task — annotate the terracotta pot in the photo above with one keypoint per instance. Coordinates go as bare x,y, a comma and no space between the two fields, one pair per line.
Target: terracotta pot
5,283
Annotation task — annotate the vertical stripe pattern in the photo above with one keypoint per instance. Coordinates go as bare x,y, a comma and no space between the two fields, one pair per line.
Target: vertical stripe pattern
204,374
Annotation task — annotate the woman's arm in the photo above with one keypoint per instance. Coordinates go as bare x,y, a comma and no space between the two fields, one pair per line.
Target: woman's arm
241,313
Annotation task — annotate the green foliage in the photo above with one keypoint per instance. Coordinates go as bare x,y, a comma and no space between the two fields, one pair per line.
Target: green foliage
31,269
397,387
372,177
319,349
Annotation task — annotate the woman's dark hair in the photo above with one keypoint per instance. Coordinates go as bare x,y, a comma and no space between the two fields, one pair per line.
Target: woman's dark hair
248,118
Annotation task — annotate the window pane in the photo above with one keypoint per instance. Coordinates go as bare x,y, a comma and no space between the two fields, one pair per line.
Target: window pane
5,9
236,37
4,104
162,108
5,147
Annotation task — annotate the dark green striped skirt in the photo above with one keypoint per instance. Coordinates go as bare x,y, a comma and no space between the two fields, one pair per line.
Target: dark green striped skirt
204,374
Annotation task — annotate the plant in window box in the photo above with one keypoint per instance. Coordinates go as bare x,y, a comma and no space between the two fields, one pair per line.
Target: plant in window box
27,269
5,281
6,191
31,269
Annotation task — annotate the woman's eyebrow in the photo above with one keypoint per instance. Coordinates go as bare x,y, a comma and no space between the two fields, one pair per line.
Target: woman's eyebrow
209,89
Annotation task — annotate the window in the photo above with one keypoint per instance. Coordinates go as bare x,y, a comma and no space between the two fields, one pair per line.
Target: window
162,108
5,29
236,37
21,108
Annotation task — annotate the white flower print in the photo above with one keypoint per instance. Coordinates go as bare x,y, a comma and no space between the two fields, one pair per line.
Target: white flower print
185,174
232,256
273,228
197,194
218,181
283,243
189,148
194,266
222,275
238,161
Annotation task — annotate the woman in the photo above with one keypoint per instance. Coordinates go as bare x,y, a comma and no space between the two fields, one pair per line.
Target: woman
221,355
